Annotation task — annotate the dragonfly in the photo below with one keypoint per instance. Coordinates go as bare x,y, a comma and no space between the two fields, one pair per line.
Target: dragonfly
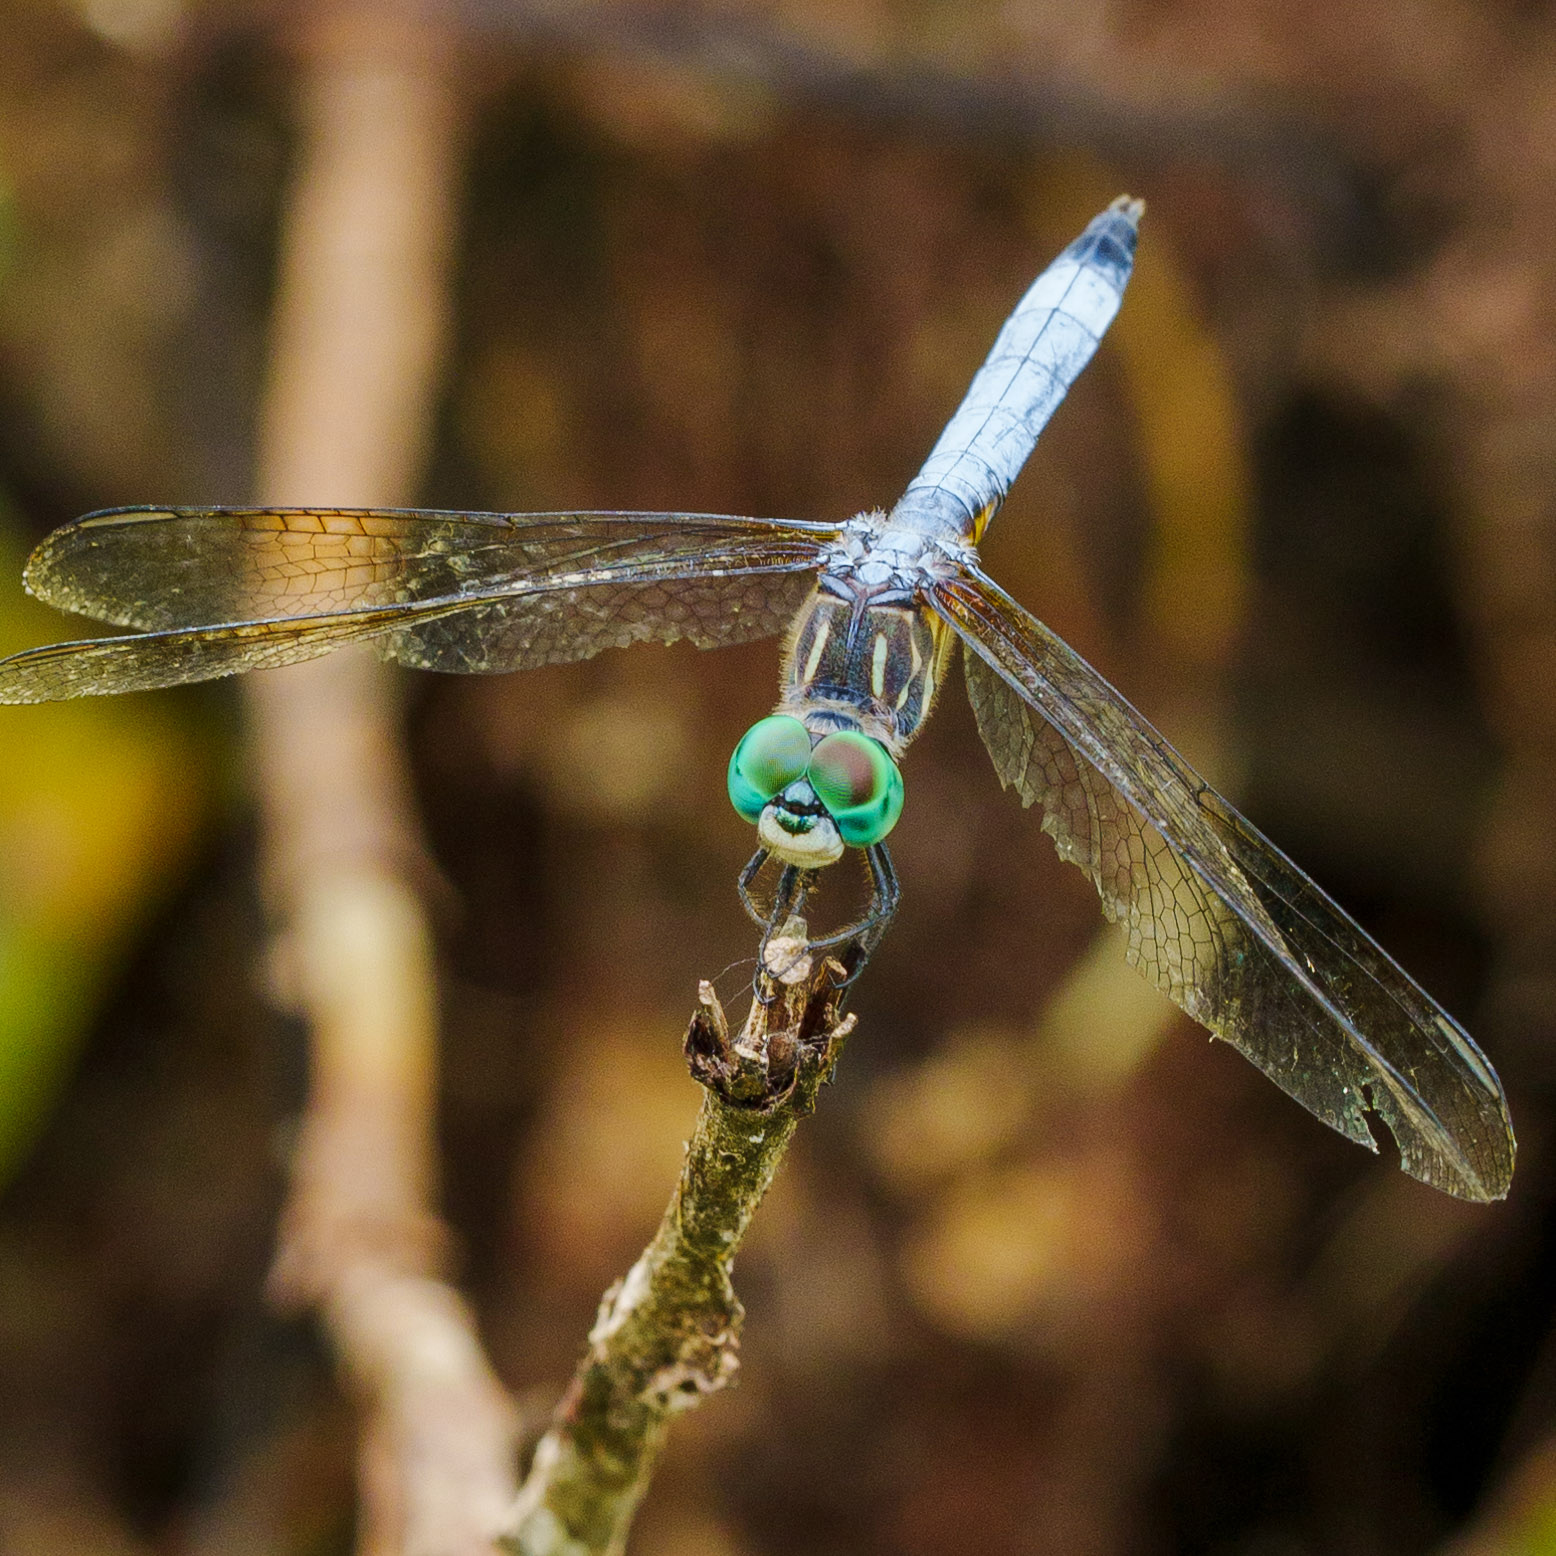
874,607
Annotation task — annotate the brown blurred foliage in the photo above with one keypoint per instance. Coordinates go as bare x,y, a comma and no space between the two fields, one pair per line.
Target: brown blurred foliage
1044,1274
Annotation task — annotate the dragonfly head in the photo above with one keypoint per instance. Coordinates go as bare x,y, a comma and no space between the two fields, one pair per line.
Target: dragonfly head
810,801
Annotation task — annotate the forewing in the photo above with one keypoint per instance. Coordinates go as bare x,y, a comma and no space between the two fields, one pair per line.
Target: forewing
447,591
1217,917
158,568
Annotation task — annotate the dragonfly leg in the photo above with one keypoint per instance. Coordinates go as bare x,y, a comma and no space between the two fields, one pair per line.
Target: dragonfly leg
888,895
747,880
865,935
794,886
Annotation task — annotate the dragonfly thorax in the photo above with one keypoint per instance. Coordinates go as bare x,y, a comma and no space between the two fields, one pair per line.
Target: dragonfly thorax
866,660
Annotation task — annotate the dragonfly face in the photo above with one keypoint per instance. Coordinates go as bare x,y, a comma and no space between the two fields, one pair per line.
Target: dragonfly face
1211,912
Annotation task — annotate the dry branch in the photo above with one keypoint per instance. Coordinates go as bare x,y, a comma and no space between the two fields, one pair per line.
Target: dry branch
666,1335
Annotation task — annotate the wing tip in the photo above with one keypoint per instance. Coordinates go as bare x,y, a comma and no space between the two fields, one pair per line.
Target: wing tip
1474,1190
59,545
1470,1163
1498,1182
1481,1181
20,688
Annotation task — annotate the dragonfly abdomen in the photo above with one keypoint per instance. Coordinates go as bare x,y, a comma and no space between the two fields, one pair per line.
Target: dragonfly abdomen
1039,353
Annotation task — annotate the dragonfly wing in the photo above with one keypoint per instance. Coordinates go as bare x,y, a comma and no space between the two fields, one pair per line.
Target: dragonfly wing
225,590
144,661
1217,917
1037,355
159,568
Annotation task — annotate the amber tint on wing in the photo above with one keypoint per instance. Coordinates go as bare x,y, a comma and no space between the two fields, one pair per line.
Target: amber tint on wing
219,591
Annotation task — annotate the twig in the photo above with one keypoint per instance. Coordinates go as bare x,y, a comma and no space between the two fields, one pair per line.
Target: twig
666,1335
358,336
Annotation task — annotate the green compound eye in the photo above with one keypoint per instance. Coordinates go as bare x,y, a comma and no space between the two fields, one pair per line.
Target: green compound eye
856,779
770,756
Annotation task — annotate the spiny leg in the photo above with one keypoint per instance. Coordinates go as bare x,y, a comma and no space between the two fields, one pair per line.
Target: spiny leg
794,886
887,898
747,880
868,932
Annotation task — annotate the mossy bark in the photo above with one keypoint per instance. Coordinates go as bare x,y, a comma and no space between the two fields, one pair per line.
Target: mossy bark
667,1334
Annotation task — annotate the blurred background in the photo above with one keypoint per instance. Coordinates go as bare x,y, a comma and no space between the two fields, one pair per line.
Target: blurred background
1047,1272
